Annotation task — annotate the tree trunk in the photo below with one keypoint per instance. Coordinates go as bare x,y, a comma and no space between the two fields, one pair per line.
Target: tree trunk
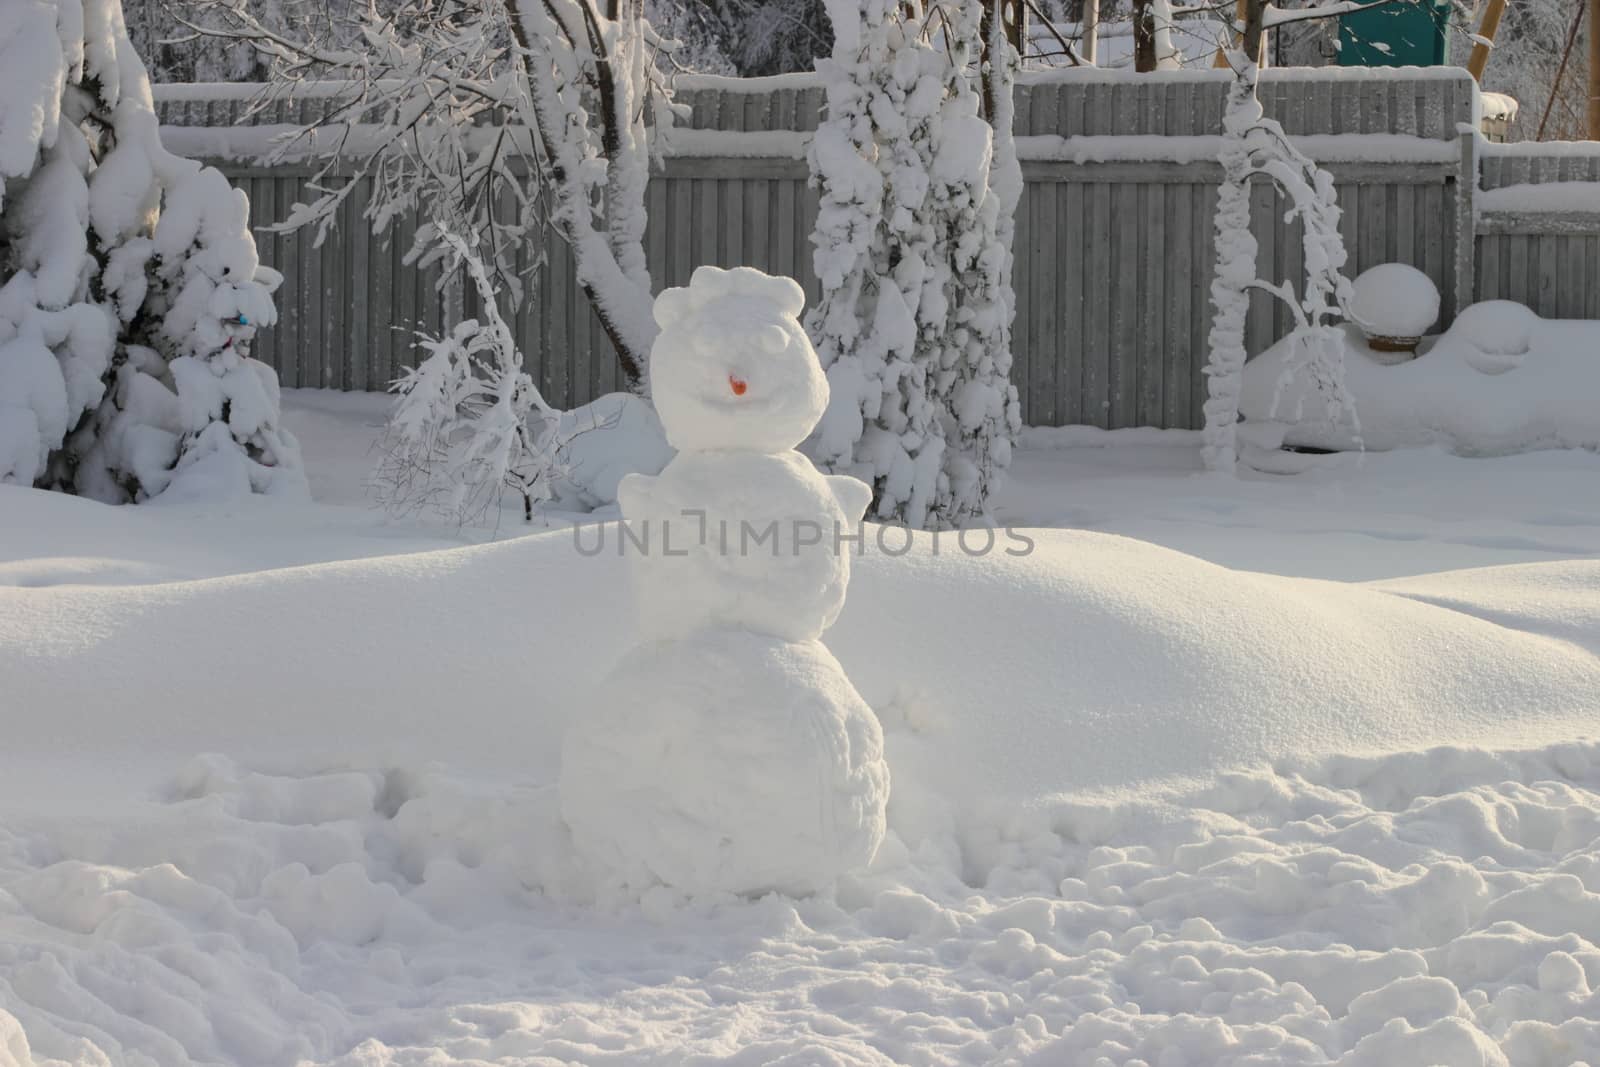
1594,70
1255,22
1144,36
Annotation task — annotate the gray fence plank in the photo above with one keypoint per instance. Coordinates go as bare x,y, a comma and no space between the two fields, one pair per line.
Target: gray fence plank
1069,253
1045,285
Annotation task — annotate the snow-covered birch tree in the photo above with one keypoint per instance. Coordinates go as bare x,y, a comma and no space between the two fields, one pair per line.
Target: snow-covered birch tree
1252,145
493,118
129,286
913,254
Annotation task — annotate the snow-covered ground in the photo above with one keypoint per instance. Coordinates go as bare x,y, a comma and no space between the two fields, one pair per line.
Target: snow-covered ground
1280,770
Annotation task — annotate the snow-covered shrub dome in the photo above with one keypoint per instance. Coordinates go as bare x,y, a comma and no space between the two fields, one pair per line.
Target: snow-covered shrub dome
1496,334
607,439
732,754
732,367
1394,302
132,289
1455,394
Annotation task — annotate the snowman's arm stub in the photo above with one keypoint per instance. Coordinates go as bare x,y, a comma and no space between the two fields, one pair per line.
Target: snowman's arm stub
853,494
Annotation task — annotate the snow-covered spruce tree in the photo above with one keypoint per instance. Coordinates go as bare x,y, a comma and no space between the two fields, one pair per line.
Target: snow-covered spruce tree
1253,144
470,424
104,285
913,253
493,118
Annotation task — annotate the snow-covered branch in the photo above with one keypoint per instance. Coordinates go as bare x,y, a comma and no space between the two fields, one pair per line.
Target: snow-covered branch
470,423
498,118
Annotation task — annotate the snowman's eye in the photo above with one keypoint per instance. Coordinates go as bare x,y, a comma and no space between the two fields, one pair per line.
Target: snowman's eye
738,385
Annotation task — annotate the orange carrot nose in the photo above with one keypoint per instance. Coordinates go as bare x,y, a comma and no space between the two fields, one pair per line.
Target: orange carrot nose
738,385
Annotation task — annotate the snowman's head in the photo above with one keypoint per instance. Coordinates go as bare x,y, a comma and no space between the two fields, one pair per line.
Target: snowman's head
731,367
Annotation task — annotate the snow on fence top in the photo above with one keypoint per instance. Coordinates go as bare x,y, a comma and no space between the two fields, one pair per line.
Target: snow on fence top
1415,102
1539,163
1539,187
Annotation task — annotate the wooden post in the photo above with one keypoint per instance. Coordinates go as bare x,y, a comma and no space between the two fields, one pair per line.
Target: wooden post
1089,32
1486,31
1594,70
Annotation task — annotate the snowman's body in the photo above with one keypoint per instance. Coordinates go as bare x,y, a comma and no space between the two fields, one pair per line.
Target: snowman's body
748,539
731,752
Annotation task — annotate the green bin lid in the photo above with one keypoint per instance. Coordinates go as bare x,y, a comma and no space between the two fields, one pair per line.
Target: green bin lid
1408,33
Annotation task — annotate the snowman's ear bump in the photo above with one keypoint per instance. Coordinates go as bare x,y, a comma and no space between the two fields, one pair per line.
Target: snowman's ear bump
787,294
710,282
672,306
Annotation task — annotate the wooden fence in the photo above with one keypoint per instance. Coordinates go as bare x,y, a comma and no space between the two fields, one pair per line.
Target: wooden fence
1114,229
1538,227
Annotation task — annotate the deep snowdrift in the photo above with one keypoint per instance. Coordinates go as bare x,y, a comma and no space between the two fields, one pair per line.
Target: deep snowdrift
1092,662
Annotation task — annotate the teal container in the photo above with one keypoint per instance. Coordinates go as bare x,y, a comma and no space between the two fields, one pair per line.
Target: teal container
1410,33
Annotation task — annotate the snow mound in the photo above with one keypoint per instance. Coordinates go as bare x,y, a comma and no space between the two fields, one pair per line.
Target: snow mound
607,439
1500,380
1394,300
1498,334
1118,662
763,739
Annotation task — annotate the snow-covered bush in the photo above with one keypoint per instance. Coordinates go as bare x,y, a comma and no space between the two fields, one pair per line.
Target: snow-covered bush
470,423
1254,144
131,287
913,253
1394,302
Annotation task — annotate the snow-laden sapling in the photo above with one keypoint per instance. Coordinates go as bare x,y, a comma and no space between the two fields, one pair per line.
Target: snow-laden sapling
470,424
730,753
1252,145
131,287
913,254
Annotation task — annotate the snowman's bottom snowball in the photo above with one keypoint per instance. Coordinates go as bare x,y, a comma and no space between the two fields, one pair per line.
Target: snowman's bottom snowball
726,761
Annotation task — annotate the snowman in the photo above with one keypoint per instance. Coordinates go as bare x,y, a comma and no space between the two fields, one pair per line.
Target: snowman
730,753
